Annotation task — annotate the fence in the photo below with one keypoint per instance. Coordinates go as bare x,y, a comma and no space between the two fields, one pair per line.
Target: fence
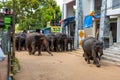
5,45
4,38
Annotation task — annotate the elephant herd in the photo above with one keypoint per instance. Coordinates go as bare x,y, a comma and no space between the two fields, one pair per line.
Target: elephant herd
57,42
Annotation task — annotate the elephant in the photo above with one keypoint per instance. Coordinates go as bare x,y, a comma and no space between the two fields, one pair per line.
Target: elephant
50,39
60,42
20,41
93,50
63,42
35,42
70,42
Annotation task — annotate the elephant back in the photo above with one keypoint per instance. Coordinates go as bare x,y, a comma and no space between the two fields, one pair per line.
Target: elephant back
30,37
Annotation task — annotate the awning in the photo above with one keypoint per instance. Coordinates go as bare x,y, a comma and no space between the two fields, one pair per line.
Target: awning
67,21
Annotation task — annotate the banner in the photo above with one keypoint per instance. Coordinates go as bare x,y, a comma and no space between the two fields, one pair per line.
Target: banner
88,22
81,37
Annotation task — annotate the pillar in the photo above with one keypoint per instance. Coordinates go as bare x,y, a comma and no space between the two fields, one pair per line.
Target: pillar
118,29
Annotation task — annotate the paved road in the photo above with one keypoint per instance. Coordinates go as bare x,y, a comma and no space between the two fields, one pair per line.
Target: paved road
63,66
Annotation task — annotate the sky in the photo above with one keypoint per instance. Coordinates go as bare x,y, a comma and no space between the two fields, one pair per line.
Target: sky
60,2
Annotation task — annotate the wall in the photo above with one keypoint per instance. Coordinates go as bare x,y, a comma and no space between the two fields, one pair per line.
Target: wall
86,7
70,9
68,5
118,29
111,11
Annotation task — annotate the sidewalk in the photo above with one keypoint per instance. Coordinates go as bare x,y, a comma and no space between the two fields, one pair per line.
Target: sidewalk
111,55
3,70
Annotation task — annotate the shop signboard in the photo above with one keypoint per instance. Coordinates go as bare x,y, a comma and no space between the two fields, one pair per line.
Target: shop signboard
55,29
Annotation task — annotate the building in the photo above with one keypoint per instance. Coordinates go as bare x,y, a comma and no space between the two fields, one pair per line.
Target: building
88,6
113,10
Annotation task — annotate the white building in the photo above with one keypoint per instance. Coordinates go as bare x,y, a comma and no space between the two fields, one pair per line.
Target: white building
113,10
88,6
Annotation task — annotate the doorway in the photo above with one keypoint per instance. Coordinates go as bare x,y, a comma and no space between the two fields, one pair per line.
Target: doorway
113,28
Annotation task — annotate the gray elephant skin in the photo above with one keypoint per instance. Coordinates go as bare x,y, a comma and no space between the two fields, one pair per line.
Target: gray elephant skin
35,42
93,50
20,41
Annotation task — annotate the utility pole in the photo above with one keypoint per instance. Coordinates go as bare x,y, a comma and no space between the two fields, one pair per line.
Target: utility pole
79,21
104,25
62,28
13,30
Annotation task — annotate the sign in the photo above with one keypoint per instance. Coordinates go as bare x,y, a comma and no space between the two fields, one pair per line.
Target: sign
81,37
7,20
55,29
46,30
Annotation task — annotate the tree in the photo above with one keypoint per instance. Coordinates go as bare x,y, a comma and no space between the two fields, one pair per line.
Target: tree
33,14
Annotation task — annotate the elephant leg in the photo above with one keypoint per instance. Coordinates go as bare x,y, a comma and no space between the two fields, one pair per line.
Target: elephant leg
99,57
58,47
47,48
86,57
65,47
95,58
19,46
62,47
33,48
29,50
39,49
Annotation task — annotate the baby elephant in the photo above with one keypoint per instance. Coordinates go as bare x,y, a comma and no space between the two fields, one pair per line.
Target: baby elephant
93,50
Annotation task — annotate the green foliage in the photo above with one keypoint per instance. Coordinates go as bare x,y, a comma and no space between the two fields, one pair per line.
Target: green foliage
1,5
32,14
16,65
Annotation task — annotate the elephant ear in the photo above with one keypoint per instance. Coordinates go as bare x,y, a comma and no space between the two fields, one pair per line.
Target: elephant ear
36,37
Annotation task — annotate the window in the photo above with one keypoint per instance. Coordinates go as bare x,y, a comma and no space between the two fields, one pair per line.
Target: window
97,4
115,4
